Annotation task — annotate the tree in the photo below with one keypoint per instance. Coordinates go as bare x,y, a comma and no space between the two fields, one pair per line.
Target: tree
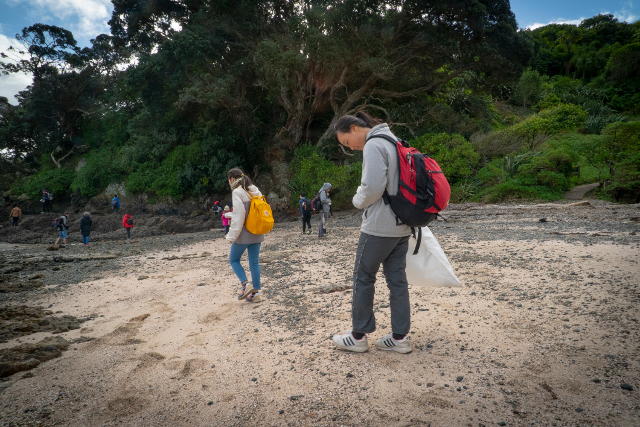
529,87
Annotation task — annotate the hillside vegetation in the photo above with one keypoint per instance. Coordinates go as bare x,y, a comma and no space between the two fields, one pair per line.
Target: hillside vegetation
508,113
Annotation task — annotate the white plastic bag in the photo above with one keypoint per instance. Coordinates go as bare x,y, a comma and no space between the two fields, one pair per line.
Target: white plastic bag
430,266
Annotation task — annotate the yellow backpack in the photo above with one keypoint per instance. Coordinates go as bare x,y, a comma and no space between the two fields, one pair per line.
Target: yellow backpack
259,218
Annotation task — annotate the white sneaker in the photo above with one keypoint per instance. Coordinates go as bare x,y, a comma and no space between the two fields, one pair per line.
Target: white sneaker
349,343
387,343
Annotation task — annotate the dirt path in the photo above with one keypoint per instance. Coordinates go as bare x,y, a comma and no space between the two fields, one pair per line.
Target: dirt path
544,332
577,193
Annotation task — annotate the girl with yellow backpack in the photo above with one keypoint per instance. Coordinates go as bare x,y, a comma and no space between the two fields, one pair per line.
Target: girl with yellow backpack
251,219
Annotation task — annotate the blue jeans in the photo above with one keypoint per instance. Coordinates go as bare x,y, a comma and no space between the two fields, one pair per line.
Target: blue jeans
253,250
85,239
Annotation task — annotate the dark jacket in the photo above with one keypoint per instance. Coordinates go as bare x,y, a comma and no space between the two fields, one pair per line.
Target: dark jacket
85,225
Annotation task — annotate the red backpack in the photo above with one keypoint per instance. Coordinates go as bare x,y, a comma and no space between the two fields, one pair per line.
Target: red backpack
423,190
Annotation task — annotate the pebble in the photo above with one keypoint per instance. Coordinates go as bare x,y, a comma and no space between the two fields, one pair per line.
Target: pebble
281,411
626,387
460,378
349,375
210,402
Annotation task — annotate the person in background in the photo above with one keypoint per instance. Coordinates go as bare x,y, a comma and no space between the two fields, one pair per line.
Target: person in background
216,207
325,199
382,240
15,215
226,219
241,239
115,204
85,228
46,201
127,223
62,229
305,210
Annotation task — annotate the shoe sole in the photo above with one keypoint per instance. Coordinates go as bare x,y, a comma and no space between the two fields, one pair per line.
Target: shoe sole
353,350
246,293
396,349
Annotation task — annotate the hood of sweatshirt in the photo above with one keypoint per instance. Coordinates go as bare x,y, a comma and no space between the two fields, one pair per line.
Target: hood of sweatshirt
326,187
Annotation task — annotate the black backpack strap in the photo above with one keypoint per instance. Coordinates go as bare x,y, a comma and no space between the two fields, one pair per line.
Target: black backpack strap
418,238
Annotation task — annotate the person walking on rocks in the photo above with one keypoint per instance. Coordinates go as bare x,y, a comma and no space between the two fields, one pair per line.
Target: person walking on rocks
85,228
241,239
115,204
306,209
63,227
46,201
15,215
127,223
382,240
325,199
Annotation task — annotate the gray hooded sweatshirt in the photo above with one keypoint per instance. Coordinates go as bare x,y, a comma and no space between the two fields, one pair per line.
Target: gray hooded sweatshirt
326,200
379,172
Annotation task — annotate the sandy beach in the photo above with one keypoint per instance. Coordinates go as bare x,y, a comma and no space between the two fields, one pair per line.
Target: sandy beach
544,330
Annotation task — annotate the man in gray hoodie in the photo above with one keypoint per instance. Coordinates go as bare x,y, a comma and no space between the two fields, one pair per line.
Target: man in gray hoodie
383,240
325,199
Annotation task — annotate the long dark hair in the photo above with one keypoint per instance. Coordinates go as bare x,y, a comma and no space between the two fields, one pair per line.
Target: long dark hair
360,119
238,174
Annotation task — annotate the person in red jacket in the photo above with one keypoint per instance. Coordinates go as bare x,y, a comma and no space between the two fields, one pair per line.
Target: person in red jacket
127,223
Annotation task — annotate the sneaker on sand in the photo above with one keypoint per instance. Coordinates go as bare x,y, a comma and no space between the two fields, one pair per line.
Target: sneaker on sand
254,297
387,343
247,289
349,343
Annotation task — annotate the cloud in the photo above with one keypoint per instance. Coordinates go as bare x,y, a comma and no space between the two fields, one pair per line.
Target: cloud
85,18
556,21
12,84
622,15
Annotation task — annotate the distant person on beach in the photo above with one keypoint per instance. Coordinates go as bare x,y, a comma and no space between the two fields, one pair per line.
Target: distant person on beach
382,240
325,198
216,207
115,204
241,240
63,226
85,228
46,201
226,219
15,215
306,209
127,223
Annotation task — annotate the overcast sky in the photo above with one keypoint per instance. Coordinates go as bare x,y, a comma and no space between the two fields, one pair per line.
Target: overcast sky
88,18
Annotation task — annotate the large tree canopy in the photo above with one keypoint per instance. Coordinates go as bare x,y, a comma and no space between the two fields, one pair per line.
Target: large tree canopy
245,81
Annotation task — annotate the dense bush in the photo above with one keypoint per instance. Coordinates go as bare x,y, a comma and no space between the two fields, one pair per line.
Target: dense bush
310,170
455,155
57,181
101,169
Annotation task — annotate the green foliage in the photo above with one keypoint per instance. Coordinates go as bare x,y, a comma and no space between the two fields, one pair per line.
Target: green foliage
528,88
310,170
455,155
549,122
102,168
514,189
56,181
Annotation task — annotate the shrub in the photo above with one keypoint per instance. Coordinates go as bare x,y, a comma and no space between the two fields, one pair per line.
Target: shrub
549,122
455,155
554,180
57,181
102,168
492,173
310,170
515,190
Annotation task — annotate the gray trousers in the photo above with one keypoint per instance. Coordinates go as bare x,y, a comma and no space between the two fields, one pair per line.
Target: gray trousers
324,217
391,252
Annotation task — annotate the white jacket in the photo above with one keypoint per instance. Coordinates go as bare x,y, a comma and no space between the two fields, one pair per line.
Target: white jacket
241,202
